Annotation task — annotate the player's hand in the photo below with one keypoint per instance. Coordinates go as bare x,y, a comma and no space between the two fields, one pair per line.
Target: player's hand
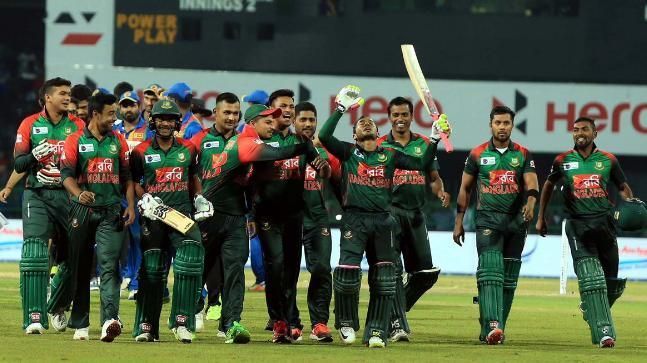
49,175
440,126
147,206
5,193
203,208
445,198
348,98
86,198
542,226
251,229
129,216
43,151
528,211
459,234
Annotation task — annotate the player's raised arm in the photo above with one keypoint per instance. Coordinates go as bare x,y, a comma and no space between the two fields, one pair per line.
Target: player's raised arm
347,99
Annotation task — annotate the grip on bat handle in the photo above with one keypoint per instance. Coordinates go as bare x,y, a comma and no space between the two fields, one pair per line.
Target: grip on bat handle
448,144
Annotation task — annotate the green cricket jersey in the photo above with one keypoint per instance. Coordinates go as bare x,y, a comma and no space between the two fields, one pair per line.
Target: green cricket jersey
410,187
315,213
499,176
225,162
367,176
586,180
99,166
279,184
166,174
32,131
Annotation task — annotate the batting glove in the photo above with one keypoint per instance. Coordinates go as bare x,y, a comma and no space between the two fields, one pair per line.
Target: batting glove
43,151
440,126
348,98
147,206
49,175
203,208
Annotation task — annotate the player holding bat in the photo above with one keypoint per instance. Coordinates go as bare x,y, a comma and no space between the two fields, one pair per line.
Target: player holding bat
165,169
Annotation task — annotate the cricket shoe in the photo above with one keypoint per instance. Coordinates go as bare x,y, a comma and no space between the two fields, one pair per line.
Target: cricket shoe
144,338
376,342
607,342
34,328
59,321
182,334
221,334
82,334
110,330
495,336
347,335
237,334
321,333
124,283
257,287
281,333
132,295
199,322
296,334
214,312
399,335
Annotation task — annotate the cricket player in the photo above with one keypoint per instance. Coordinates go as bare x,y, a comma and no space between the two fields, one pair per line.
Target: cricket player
411,189
95,172
504,173
39,144
366,177
182,94
585,172
151,96
82,94
225,158
317,243
164,169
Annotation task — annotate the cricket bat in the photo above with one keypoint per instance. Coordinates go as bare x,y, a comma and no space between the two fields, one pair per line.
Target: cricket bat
173,218
421,87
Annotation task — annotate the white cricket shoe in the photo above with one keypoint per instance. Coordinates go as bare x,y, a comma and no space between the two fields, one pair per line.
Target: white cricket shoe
110,330
59,321
132,295
347,335
82,334
221,334
182,334
399,335
376,342
144,337
35,328
199,322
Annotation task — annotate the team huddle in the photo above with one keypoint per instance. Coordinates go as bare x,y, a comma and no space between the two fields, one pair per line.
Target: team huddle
92,181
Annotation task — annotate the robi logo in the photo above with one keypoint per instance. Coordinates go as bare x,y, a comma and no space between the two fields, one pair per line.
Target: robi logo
288,164
502,177
311,173
370,171
168,174
58,146
586,181
100,165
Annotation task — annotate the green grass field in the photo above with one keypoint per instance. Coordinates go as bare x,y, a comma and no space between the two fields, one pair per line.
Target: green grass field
543,326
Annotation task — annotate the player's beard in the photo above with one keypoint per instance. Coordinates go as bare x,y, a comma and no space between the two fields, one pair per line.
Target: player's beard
130,117
365,137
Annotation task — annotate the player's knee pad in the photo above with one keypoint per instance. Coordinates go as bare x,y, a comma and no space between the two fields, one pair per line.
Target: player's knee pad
418,283
34,256
489,277
381,279
511,268
34,264
595,303
153,265
189,258
382,282
615,288
490,268
347,282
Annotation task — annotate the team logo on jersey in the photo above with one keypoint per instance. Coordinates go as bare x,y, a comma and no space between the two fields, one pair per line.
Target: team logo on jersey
266,226
113,149
572,165
75,223
218,160
181,157
100,165
488,160
137,136
153,158
348,234
211,144
168,174
39,130
599,165
586,181
502,177
514,162
325,231
381,158
86,148
487,232
532,164
68,130
370,171
417,150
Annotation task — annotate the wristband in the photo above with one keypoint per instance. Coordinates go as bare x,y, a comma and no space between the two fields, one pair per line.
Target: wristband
532,193
460,210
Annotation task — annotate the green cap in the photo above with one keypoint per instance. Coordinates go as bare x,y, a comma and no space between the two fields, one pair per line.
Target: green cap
260,110
631,215
165,107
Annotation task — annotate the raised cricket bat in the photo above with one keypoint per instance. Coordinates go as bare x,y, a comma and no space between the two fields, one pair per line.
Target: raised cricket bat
173,218
421,87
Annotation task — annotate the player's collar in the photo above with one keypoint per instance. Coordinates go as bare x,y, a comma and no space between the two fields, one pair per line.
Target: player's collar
157,146
392,139
213,131
88,133
491,147
593,150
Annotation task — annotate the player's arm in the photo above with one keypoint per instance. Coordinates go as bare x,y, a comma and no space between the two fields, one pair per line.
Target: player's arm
531,185
24,156
619,179
136,164
126,180
438,187
341,150
252,150
70,172
11,183
546,193
468,180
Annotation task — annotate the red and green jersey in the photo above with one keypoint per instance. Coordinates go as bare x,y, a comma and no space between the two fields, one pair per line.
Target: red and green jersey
499,176
367,176
278,184
586,180
99,166
225,162
314,208
166,174
31,132
410,187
